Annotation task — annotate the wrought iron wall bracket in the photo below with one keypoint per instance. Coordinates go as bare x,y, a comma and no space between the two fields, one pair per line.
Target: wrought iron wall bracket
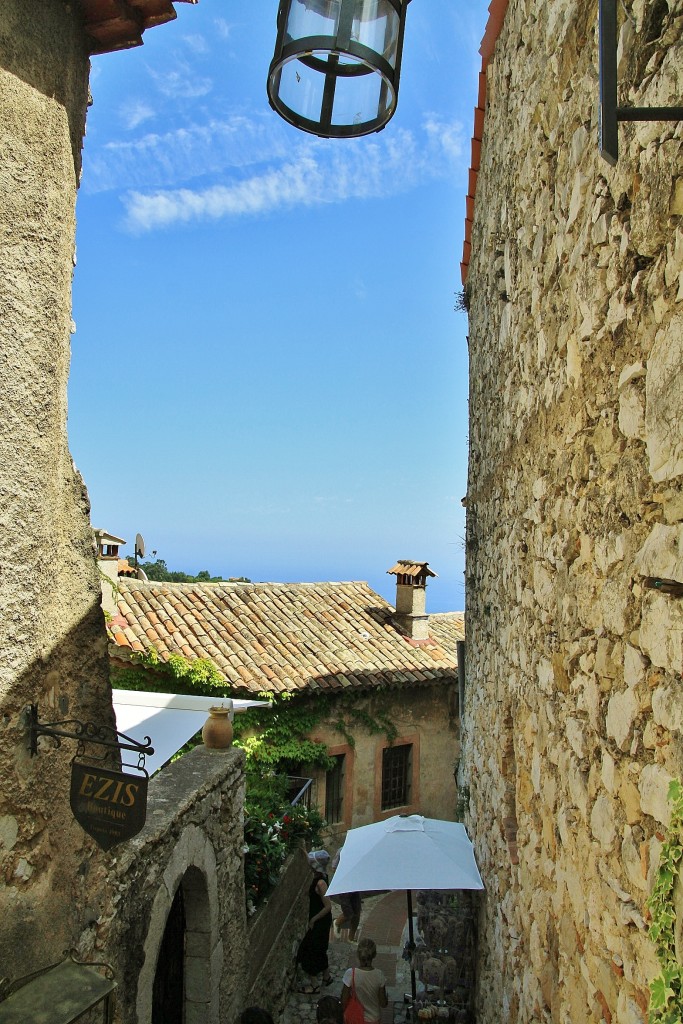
84,732
610,113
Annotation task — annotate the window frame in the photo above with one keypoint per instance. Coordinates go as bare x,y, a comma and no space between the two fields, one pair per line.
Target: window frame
347,799
413,806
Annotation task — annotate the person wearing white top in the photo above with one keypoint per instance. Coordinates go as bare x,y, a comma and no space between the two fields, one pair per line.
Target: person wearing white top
369,982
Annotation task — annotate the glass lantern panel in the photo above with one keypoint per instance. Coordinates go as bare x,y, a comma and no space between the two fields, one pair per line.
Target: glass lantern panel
360,98
301,89
376,25
313,18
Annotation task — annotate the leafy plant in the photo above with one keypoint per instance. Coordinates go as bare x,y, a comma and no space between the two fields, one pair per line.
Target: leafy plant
159,572
666,990
272,829
177,675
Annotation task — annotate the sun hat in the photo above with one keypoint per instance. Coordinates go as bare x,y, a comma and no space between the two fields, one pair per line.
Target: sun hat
319,859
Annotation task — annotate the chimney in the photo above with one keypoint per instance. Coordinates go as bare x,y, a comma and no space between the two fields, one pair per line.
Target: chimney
108,563
411,585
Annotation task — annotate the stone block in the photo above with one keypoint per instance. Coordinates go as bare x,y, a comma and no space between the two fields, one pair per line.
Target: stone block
631,860
609,773
661,632
662,553
9,830
634,666
629,796
575,733
602,821
197,1012
664,429
653,786
667,706
632,413
622,711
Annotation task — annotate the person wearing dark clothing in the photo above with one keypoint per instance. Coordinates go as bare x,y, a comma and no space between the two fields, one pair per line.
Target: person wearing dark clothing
351,906
312,952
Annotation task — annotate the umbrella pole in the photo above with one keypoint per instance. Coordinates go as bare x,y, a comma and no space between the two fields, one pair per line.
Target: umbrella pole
411,944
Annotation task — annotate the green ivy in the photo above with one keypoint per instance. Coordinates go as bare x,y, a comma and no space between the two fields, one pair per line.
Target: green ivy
279,736
177,675
666,990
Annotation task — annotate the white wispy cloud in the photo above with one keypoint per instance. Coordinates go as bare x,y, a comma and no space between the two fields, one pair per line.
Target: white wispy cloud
182,81
134,113
445,135
197,43
223,27
158,159
314,174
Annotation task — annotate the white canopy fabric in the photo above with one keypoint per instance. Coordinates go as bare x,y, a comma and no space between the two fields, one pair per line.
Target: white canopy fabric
406,852
169,719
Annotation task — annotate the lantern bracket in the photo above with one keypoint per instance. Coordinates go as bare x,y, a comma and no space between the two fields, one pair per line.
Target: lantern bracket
84,732
610,114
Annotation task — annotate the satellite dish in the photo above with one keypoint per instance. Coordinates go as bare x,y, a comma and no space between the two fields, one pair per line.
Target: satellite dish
139,546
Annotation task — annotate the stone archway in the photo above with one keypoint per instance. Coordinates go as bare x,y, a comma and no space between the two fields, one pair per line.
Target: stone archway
190,880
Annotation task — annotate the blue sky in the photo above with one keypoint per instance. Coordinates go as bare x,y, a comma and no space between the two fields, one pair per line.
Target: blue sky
268,375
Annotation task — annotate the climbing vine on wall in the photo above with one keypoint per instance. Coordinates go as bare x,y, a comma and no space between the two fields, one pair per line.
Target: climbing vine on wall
177,675
273,738
666,990
278,736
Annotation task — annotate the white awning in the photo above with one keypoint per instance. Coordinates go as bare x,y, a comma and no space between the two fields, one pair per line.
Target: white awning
169,719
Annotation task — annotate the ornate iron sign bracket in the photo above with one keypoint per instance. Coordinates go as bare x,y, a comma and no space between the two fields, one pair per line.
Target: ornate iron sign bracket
84,732
610,113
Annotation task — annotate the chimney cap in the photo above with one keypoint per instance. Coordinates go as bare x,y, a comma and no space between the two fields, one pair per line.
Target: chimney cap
411,567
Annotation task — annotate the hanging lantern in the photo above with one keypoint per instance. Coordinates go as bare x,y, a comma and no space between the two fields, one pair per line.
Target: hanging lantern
337,63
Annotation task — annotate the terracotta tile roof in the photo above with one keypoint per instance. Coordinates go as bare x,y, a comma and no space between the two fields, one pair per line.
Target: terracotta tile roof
283,636
497,11
447,628
119,24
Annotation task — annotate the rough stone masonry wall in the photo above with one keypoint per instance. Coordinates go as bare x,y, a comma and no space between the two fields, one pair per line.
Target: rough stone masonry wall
574,706
52,637
192,840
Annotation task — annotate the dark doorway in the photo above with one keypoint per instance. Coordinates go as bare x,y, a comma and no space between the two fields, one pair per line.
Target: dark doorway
168,1003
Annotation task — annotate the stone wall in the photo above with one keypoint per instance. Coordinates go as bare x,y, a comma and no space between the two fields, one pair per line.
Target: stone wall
275,931
52,636
572,721
192,841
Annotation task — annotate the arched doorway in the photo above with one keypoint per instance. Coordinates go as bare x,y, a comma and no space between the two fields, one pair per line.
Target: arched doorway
182,979
168,992
180,975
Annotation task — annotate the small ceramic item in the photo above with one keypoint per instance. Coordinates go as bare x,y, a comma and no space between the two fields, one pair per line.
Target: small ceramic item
217,730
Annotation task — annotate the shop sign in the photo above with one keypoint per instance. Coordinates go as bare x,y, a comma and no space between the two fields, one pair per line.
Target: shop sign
111,806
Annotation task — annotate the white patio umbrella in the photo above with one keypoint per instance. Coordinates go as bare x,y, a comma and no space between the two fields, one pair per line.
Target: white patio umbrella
406,852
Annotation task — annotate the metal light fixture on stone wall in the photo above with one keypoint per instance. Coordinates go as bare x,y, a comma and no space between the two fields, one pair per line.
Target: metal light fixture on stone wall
610,113
337,63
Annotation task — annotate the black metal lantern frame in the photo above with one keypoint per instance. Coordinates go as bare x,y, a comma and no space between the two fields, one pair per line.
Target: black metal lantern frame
341,82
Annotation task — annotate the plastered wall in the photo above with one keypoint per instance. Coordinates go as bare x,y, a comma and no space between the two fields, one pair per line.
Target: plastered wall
52,639
424,717
574,709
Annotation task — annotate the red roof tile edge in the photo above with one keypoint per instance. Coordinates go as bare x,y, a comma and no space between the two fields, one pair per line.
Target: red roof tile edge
497,11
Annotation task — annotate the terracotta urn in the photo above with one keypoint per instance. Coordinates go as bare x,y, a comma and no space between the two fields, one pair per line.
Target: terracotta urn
217,729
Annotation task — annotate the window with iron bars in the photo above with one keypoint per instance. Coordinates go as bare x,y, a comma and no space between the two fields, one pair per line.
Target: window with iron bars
397,772
334,790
